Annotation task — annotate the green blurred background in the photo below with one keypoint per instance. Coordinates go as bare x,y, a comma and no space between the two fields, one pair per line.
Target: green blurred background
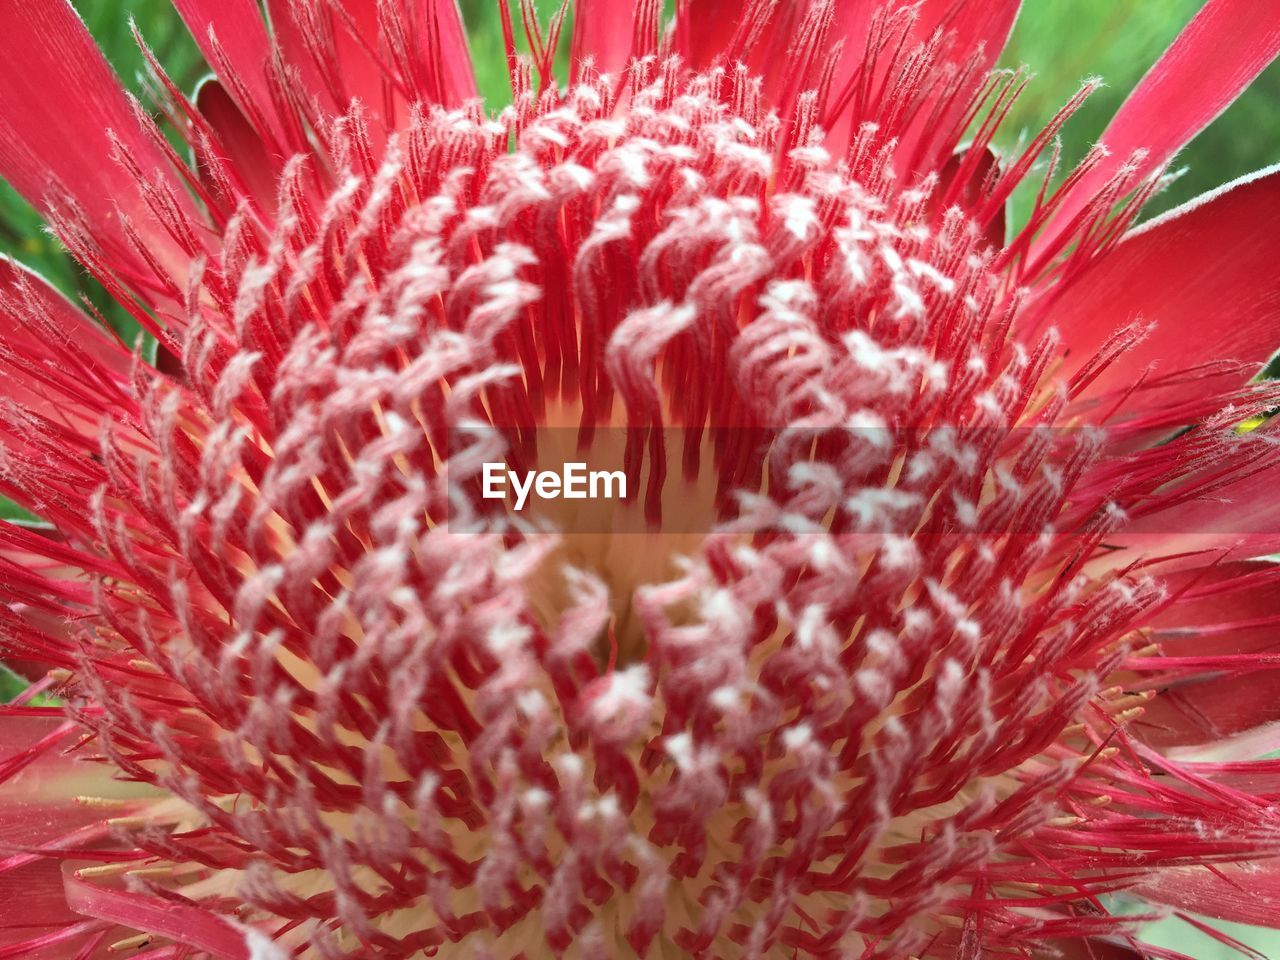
1063,41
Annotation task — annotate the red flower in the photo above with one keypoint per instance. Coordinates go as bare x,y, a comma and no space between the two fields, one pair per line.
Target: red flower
979,648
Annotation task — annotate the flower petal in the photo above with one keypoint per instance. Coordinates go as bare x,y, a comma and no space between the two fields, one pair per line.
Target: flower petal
603,30
1097,948
1205,711
58,368
960,183
1210,63
1203,276
975,32
181,923
39,323
40,812
234,41
437,34
1228,610
702,38
56,364
308,35
972,36
29,762
1261,777
1231,607
60,106
1240,517
344,51
238,142
1243,894
40,783
33,904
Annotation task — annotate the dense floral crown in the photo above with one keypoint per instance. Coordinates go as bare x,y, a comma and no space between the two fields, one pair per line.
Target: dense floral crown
934,622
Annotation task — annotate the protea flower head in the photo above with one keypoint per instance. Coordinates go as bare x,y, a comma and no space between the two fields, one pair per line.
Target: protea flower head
936,621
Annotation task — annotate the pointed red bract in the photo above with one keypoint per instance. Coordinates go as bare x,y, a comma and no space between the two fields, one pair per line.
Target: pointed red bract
60,107
234,41
1209,64
236,141
603,30
974,33
178,922
704,31
385,55
1227,892
58,361
1199,284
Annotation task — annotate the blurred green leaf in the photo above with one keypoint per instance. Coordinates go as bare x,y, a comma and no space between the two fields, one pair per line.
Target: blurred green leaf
10,684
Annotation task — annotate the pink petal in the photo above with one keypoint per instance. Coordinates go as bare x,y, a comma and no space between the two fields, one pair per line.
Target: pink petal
1230,610
974,25
603,30
239,144
1227,608
39,813
357,64
81,939
713,32
351,73
1261,777
974,34
183,924
974,30
1206,711
234,41
703,34
968,194
1097,948
39,786
1219,53
33,903
1243,894
37,321
1235,518
719,32
1203,276
58,99
457,73
56,361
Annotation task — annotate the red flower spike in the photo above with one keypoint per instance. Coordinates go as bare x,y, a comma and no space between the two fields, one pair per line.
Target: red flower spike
924,629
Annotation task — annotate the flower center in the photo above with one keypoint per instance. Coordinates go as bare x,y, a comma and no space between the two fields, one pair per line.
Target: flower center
724,708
